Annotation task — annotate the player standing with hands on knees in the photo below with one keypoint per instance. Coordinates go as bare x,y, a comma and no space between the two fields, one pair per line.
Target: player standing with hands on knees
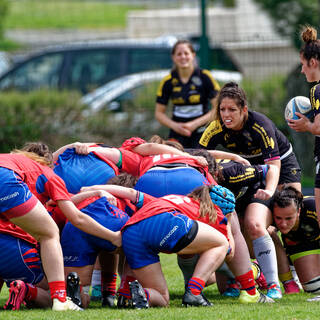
190,90
310,67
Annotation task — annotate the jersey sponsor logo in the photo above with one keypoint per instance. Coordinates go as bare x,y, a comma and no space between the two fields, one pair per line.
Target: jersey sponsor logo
188,111
168,235
249,173
195,98
177,89
9,196
196,80
176,199
268,141
213,129
179,100
174,81
71,258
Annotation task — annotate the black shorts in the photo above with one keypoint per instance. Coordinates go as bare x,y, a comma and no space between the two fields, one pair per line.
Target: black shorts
186,239
290,170
243,202
302,246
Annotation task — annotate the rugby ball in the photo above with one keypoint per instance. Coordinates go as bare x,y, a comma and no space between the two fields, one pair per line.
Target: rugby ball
298,104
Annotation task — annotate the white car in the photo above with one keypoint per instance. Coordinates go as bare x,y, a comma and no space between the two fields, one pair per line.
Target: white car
106,95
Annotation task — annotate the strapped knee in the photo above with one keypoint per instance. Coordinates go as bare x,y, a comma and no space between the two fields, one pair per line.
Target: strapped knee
312,286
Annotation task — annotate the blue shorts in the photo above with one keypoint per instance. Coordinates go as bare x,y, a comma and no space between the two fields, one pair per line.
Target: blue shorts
19,259
161,182
80,248
15,196
79,170
142,242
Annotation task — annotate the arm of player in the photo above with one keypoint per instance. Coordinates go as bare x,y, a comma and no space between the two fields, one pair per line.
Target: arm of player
203,120
272,179
147,149
87,224
161,116
117,191
305,125
230,256
79,197
218,154
81,148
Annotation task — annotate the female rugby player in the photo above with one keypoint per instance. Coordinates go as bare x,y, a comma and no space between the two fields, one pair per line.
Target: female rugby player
191,90
310,61
256,138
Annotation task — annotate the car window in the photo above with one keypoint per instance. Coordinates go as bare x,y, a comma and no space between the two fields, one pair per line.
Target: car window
37,73
148,59
90,69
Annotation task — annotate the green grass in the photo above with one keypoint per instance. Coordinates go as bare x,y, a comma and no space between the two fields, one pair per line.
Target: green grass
294,307
52,14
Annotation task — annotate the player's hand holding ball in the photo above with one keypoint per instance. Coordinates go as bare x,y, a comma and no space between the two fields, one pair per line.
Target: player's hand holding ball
298,113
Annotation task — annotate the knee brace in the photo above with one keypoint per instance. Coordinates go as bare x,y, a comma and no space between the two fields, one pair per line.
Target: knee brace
312,286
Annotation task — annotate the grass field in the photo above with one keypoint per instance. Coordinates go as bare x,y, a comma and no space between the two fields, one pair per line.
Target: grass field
52,14
294,307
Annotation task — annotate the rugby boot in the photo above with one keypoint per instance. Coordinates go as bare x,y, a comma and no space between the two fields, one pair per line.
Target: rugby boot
138,296
17,294
57,305
123,302
259,279
274,292
316,298
232,290
259,297
73,288
189,299
206,300
108,300
291,287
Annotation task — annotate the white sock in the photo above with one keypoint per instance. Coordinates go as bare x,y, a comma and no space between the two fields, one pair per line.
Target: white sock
265,253
96,278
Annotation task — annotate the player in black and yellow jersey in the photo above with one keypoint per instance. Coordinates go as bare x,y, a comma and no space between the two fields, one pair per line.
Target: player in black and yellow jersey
310,67
295,217
256,138
191,90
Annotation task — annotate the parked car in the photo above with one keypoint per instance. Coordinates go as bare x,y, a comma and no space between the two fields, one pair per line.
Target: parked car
113,92
85,66
5,62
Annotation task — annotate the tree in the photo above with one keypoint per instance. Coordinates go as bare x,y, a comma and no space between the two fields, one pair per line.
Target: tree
290,15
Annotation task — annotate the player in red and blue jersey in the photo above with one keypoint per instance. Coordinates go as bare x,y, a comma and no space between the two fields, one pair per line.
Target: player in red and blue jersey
173,224
27,181
79,170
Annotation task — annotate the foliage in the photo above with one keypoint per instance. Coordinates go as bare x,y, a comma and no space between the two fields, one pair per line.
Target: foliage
39,115
51,14
3,12
267,97
290,15
9,45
